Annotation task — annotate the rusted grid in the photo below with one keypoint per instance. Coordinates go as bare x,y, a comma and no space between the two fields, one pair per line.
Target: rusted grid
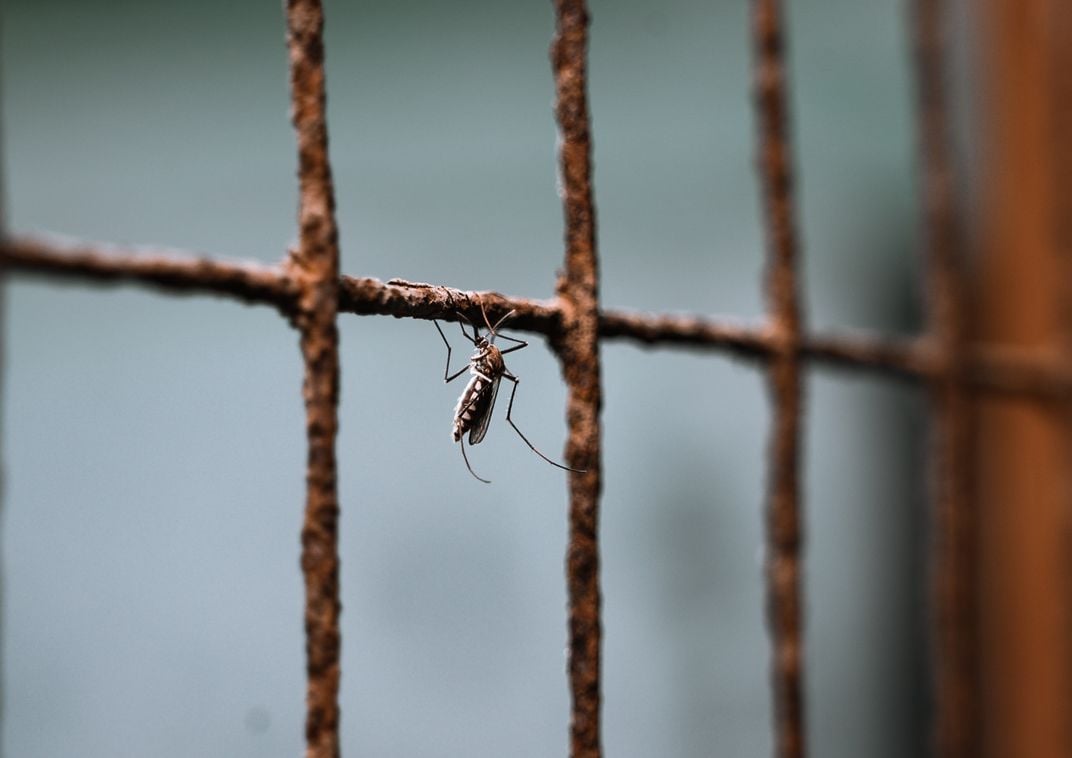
577,346
784,512
1035,373
951,564
309,291
314,267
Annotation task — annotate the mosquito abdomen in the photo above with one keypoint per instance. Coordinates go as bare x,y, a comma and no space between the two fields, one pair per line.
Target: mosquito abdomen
471,406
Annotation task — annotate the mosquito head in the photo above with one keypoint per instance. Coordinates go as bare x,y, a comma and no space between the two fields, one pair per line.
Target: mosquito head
493,330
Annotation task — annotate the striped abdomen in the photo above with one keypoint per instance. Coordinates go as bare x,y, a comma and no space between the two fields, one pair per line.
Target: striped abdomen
473,411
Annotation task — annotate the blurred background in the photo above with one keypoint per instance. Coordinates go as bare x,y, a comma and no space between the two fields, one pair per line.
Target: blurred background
154,449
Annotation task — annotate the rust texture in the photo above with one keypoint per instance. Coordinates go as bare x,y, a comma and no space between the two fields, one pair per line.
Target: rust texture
1060,122
314,266
1014,356
784,512
578,349
907,358
401,298
1020,286
1031,373
167,269
1039,374
952,581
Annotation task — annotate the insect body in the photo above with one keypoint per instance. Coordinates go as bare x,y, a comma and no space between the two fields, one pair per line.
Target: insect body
477,401
472,414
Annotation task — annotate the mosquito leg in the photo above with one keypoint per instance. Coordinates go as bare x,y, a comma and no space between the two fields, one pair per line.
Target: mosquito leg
446,369
521,344
465,457
463,318
509,411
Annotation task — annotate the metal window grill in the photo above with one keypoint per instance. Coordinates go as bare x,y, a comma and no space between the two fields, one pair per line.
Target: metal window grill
309,291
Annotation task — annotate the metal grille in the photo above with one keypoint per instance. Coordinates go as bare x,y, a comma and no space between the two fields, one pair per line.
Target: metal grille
310,293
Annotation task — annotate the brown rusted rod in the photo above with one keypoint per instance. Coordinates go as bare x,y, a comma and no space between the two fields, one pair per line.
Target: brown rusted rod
577,346
1034,374
907,357
784,511
171,270
314,267
181,271
404,299
684,330
1031,373
952,578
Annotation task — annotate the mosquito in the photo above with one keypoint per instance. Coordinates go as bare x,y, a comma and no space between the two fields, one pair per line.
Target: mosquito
473,412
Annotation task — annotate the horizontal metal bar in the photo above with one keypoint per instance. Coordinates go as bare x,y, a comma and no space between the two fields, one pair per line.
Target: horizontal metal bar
1035,374
171,270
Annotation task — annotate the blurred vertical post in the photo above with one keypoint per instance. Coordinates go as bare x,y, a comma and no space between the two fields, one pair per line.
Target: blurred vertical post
1025,282
952,569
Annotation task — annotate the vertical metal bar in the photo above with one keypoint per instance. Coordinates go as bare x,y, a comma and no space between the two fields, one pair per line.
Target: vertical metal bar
1059,24
784,517
1022,277
578,349
314,265
951,571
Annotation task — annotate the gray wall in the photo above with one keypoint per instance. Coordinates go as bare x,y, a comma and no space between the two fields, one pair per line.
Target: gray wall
154,445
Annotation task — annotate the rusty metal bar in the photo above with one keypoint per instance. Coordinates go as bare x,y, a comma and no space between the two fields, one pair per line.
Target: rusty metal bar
952,577
784,516
578,349
1038,374
904,357
1021,286
175,271
1059,24
405,299
314,267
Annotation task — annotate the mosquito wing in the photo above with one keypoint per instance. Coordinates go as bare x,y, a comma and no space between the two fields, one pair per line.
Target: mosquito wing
480,426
